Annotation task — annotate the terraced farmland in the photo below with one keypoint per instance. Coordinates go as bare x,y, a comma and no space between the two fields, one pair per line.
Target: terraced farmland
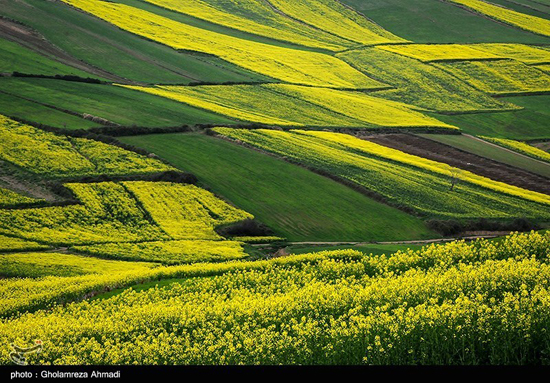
273,182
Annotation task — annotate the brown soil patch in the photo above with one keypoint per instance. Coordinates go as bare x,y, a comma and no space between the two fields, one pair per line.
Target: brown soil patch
436,151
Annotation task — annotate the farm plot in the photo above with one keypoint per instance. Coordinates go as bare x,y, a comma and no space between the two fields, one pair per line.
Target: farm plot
296,310
502,77
111,105
335,18
529,123
421,84
293,105
521,147
93,44
518,19
296,203
11,198
480,163
430,188
8,243
168,252
185,211
259,18
53,155
465,52
290,65
37,265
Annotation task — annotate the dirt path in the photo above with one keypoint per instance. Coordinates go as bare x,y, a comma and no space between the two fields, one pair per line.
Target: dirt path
436,151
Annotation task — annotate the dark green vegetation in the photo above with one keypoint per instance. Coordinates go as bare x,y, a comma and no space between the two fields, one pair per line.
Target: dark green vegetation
435,21
125,55
16,58
492,151
296,203
119,105
531,123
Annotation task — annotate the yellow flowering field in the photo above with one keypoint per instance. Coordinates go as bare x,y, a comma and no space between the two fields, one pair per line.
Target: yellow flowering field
401,179
168,252
290,65
461,303
501,77
8,243
10,198
421,84
184,211
50,154
295,105
518,19
335,18
259,18
36,265
528,54
521,147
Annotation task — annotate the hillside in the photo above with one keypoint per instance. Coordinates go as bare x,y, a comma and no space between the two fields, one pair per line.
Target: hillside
275,181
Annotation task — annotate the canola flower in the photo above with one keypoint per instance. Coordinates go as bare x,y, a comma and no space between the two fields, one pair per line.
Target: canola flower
520,147
8,243
10,198
50,154
502,77
36,265
402,179
259,18
422,85
461,303
169,252
500,13
295,105
285,64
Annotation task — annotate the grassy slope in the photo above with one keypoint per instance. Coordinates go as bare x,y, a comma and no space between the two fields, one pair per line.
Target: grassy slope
120,105
493,152
97,42
528,124
21,109
16,58
296,203
434,21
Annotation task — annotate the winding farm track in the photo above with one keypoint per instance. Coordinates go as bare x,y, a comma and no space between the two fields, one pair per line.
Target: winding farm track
436,151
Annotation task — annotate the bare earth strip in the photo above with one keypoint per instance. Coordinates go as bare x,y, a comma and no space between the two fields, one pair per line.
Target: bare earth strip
436,151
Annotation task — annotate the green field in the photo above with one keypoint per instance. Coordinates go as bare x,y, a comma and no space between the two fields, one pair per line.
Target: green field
531,123
296,203
491,151
97,43
120,105
434,21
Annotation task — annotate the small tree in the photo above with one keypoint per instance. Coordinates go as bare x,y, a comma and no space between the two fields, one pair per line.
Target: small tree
455,174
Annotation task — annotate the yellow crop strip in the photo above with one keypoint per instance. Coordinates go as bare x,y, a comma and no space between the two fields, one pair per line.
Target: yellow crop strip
294,105
400,178
502,77
372,110
521,147
290,65
168,252
439,52
518,19
184,211
36,265
9,197
334,17
421,84
50,154
340,307
525,53
256,17
8,243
